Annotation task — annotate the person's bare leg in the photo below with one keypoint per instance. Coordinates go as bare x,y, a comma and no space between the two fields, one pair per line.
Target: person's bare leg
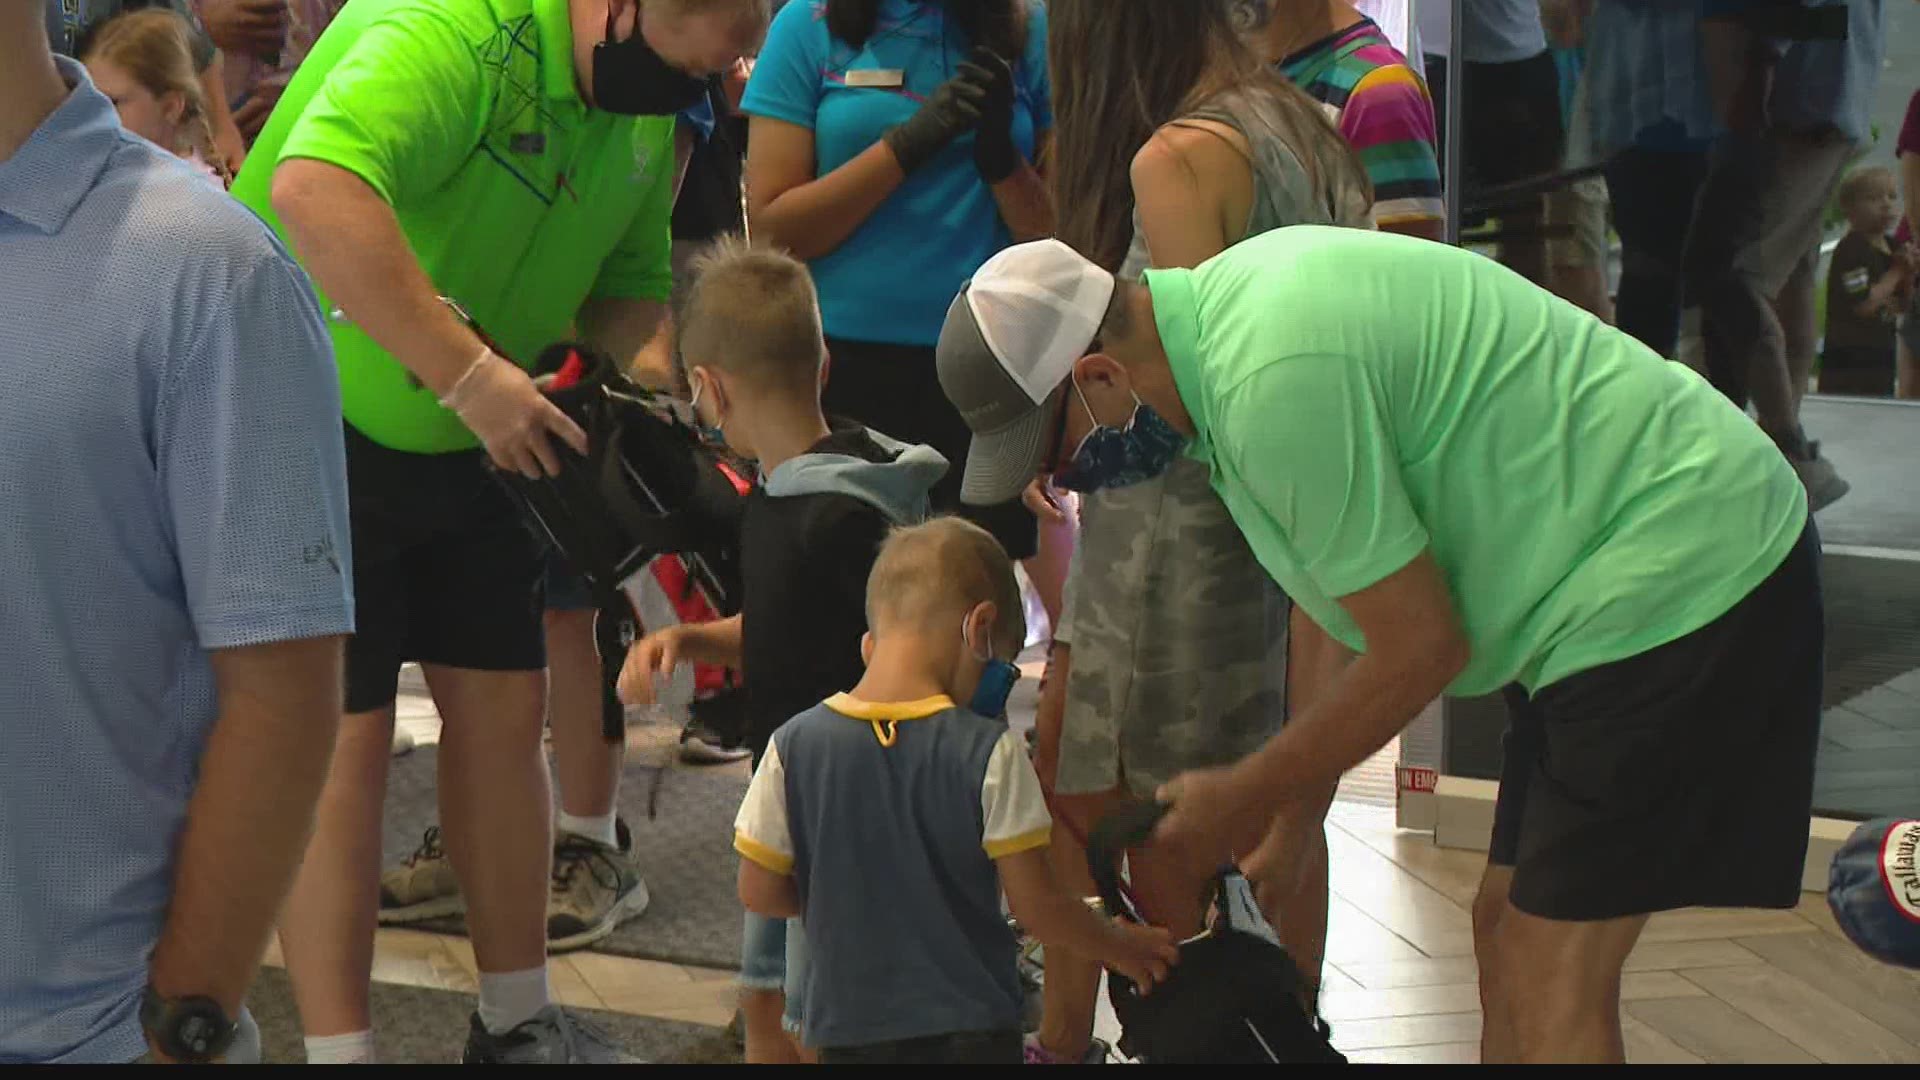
1299,915
1497,1042
495,809
1525,252
1585,286
586,765
1294,893
327,926
1799,330
1561,982
762,1015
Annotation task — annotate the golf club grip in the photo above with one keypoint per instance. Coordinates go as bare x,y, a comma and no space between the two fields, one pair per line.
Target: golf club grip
1129,826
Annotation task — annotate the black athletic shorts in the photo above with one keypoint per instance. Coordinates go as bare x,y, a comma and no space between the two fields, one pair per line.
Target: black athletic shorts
894,390
1680,777
444,572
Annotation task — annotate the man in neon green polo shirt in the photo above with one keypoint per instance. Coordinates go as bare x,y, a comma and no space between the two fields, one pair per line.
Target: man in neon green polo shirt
1476,487
441,166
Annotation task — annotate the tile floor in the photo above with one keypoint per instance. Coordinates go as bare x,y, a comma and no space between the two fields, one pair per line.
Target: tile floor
1704,986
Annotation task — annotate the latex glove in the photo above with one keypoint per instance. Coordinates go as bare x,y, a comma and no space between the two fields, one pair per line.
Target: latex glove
953,110
500,404
993,151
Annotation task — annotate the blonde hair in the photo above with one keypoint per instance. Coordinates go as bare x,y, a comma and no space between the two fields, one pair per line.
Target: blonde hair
1858,182
154,47
932,575
752,312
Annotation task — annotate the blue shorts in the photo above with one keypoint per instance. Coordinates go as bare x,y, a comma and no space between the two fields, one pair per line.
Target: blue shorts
773,956
566,589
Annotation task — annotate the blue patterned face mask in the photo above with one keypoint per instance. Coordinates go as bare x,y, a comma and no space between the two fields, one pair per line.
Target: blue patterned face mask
1111,457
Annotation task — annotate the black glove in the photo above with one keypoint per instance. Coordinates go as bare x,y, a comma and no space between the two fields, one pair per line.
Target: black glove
952,110
993,150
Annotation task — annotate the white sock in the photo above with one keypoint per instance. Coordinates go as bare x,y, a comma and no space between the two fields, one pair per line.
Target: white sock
353,1048
598,827
510,999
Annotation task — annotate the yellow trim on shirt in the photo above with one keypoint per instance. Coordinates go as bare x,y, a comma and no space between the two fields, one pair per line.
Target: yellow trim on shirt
1014,845
761,855
853,708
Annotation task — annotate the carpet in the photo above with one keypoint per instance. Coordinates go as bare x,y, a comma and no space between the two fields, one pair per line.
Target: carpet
685,854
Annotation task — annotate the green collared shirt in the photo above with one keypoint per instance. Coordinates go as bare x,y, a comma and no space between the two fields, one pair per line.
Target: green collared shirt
520,202
1362,397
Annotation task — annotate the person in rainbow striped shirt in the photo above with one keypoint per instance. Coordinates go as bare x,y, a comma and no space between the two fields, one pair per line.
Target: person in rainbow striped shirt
1345,61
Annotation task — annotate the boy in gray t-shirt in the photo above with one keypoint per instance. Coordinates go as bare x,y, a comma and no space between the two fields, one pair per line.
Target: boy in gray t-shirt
890,820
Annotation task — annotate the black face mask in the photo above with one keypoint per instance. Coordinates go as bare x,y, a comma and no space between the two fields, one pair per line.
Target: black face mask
631,79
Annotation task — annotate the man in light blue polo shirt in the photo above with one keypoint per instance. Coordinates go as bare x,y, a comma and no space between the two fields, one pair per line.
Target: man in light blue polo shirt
176,579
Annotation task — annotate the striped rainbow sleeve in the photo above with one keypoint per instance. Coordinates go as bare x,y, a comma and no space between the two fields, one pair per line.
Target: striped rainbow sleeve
1388,119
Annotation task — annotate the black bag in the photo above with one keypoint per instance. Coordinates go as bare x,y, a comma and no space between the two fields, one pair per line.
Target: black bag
647,486
1234,998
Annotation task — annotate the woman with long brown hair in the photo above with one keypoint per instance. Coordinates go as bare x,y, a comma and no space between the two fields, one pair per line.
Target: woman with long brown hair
143,61
1173,141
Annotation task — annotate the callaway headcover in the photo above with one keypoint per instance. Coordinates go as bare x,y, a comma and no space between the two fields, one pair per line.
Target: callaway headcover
1873,888
647,486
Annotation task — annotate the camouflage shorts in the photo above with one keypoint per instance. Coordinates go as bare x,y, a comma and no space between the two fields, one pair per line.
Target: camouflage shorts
1178,638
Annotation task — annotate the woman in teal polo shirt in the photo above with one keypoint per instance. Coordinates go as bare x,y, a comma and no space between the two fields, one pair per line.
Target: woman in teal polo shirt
891,147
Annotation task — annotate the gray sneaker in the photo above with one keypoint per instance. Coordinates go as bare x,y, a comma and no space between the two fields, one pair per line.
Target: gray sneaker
553,1037
1823,483
595,889
423,887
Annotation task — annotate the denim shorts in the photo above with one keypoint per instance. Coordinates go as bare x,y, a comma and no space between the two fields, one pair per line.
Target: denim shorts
773,956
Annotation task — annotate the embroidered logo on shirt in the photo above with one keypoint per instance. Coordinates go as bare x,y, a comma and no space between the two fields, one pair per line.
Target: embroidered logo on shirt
322,552
529,142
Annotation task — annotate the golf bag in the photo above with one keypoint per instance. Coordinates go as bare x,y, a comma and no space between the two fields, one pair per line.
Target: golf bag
1234,998
648,486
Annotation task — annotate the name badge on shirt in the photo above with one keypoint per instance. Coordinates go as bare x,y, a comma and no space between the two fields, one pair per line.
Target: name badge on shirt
877,79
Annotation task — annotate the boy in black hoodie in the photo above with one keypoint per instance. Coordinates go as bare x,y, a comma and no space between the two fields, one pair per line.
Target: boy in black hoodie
755,359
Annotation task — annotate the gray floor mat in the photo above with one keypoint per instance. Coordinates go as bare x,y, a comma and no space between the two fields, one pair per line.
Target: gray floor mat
685,855
419,1026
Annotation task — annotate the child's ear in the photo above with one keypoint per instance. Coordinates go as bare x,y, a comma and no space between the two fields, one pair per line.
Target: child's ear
982,617
826,365
866,648
174,104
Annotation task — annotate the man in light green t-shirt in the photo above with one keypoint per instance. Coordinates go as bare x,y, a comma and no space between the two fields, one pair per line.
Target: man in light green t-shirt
467,182
1475,487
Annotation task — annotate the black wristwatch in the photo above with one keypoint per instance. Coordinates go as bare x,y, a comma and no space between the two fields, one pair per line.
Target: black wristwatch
192,1031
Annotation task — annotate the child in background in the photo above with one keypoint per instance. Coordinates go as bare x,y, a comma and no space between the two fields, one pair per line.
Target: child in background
890,819
143,61
751,340
1868,286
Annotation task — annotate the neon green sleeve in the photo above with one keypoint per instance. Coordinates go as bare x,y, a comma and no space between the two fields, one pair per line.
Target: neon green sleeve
1310,442
641,268
402,109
